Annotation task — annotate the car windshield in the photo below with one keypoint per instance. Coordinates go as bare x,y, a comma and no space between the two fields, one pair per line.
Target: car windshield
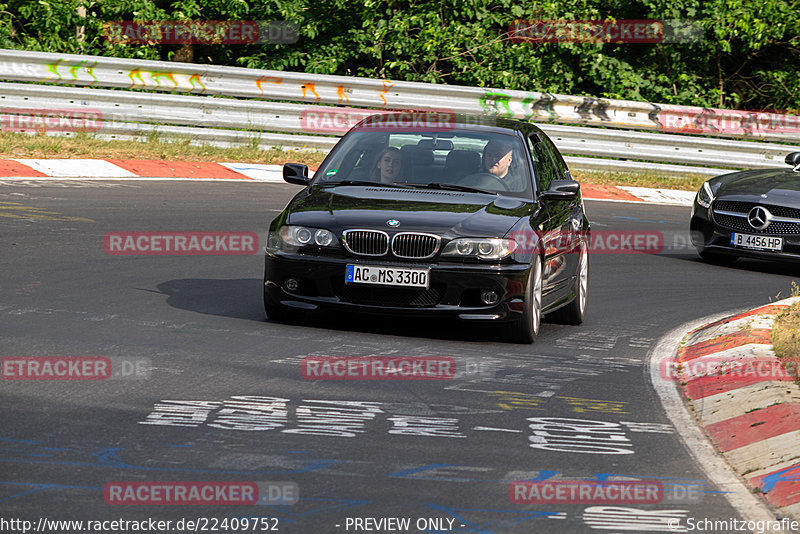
455,160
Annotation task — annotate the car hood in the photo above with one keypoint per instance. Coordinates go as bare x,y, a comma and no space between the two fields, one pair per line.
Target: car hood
769,186
447,213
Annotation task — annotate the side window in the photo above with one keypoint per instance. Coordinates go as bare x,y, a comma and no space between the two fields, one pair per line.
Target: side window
561,165
531,144
545,167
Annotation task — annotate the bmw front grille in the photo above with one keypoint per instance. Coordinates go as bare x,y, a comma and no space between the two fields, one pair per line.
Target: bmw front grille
366,242
406,245
414,245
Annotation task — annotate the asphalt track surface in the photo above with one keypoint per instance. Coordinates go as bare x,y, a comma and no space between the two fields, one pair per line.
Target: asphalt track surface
444,450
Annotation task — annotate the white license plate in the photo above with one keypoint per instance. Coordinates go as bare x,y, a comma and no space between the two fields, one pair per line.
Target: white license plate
387,276
757,242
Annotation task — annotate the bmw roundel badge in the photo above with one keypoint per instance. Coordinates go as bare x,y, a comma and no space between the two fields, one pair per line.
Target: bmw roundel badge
393,223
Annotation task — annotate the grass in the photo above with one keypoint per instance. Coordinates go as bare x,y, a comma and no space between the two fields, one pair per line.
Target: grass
21,146
786,339
643,179
86,145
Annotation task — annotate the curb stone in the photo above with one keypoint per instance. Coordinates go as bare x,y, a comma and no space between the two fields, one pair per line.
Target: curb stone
116,169
751,413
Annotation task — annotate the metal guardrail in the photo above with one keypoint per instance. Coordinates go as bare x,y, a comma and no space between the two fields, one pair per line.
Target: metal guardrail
99,71
220,121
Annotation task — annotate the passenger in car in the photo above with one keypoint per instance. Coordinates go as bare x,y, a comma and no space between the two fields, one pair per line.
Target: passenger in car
387,168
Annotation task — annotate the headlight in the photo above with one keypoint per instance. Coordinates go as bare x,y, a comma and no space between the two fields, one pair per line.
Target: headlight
323,238
300,236
481,248
705,196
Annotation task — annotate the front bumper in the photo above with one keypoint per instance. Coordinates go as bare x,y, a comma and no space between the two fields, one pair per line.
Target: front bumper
454,289
709,236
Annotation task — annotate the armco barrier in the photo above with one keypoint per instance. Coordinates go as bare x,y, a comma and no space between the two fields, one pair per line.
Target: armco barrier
222,121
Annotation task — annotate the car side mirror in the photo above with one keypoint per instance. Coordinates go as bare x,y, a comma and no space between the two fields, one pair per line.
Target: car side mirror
793,159
296,173
561,190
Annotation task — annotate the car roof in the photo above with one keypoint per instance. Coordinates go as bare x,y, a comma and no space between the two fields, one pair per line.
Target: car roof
452,121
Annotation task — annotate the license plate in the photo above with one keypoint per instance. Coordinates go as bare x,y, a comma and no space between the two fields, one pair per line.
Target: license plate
387,276
758,242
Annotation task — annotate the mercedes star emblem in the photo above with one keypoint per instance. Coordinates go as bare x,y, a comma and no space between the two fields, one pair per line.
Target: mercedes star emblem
759,218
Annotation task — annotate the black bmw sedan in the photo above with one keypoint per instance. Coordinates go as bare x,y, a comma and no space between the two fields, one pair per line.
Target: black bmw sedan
752,213
434,215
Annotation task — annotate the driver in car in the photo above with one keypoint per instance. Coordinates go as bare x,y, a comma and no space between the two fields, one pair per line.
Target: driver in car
497,173
497,158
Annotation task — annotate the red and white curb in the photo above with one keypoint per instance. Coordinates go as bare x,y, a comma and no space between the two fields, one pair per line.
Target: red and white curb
116,169
751,410
637,194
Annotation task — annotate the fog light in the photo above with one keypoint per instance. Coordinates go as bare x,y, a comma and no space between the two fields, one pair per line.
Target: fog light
291,284
489,297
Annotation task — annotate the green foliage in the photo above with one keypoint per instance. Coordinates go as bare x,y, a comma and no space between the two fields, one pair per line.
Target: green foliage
747,58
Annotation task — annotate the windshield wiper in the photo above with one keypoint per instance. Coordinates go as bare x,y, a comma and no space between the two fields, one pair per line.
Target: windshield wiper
449,187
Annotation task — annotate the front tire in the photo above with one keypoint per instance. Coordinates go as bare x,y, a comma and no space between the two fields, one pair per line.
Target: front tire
575,312
525,329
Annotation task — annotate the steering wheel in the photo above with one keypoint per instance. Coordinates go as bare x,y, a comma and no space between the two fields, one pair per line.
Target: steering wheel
486,180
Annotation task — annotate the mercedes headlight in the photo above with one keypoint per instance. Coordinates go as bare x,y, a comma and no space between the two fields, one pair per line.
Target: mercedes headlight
705,196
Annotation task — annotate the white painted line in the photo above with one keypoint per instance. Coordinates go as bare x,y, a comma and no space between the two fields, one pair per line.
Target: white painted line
765,452
661,196
752,322
253,172
496,429
714,466
750,353
128,179
77,168
258,171
735,402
